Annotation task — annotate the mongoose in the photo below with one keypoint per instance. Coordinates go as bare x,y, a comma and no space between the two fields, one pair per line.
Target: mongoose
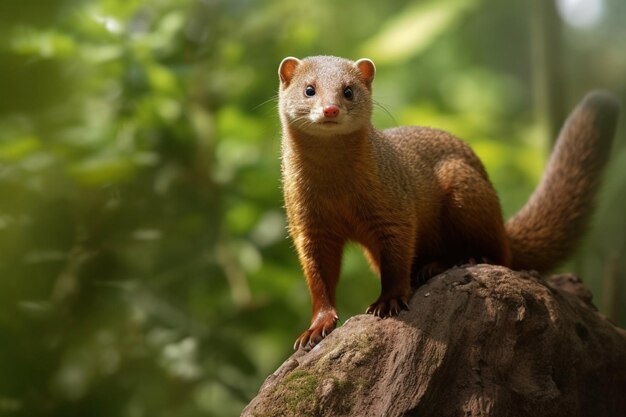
417,199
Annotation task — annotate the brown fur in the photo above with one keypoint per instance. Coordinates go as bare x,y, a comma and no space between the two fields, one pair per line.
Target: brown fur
545,232
417,199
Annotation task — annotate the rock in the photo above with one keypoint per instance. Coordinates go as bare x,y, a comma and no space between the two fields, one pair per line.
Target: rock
486,341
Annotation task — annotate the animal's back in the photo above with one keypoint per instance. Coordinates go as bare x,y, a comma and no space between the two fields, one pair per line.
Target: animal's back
453,200
433,147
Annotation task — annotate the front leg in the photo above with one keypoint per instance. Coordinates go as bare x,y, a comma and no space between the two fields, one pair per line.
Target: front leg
320,256
395,277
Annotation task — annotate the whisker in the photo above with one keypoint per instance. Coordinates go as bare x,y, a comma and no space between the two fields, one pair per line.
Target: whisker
274,98
383,108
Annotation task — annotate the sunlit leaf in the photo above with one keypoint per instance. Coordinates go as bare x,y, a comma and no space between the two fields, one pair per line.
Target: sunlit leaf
16,149
161,79
43,44
234,124
415,29
100,171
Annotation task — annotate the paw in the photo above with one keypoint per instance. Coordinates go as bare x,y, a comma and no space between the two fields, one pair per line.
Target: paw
428,271
387,306
474,261
321,327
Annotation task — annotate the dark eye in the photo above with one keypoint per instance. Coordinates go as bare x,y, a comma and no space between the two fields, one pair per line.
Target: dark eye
309,91
347,93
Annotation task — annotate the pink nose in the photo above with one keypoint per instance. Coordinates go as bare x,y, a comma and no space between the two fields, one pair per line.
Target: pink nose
331,111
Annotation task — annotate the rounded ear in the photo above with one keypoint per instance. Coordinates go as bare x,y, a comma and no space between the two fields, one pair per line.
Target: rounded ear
367,69
287,68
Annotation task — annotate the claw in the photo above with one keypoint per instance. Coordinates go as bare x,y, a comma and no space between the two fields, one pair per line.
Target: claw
322,325
387,307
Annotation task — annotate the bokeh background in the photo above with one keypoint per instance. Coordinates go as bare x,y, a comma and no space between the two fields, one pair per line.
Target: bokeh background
145,268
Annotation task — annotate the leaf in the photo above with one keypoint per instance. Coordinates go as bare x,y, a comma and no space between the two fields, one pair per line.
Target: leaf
45,44
415,29
19,148
103,170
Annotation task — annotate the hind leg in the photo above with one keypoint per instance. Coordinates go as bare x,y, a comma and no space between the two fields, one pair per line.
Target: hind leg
422,272
472,226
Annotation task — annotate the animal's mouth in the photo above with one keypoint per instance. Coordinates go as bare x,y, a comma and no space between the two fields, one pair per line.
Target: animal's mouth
330,122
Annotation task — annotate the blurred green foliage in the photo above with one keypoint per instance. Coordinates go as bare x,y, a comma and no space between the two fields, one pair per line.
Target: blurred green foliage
144,264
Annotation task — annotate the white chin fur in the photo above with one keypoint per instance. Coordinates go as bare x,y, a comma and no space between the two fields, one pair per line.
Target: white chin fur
325,127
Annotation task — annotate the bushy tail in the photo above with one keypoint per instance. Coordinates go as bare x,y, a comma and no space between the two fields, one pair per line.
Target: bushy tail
546,230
